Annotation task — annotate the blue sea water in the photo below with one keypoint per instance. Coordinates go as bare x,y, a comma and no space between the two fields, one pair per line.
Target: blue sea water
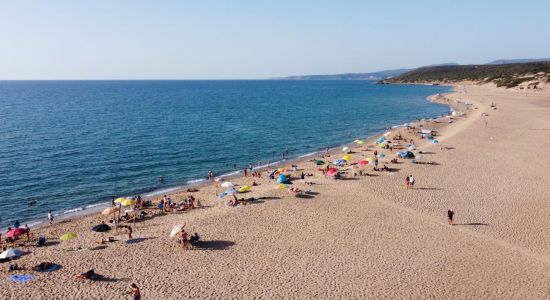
73,144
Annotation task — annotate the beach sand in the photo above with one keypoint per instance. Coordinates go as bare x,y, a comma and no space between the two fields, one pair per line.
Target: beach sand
356,238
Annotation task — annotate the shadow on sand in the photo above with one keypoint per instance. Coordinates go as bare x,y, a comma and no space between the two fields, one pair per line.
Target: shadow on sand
213,245
472,224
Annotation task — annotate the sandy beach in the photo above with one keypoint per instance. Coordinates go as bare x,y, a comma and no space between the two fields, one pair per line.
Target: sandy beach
362,237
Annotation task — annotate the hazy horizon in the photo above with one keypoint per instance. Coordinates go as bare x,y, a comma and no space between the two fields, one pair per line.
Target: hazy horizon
139,40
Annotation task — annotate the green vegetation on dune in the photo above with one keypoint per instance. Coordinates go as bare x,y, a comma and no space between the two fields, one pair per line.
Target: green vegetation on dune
507,75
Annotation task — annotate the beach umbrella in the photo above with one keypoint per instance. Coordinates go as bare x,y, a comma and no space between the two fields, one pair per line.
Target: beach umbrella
245,189
319,162
109,211
381,140
381,155
127,202
121,199
176,229
331,172
101,228
15,232
228,184
435,141
11,253
345,149
346,157
68,236
363,162
282,178
360,142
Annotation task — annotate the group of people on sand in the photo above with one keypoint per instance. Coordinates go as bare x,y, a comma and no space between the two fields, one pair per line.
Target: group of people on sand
187,241
168,205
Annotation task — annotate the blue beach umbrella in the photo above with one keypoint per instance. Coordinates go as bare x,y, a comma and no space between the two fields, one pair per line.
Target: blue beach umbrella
339,162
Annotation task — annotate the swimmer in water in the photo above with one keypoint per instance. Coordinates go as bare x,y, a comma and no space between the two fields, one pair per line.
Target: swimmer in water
161,179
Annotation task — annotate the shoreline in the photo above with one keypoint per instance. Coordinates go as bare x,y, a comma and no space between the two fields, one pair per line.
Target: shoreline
76,213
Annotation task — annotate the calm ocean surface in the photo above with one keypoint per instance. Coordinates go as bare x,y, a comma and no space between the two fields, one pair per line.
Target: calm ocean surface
75,144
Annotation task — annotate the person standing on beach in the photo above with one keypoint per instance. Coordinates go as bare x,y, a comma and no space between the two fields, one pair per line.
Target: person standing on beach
130,232
50,217
407,182
411,182
135,292
245,172
450,215
28,232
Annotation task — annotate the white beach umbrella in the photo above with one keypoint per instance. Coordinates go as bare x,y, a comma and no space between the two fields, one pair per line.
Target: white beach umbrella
228,184
11,253
176,229
345,149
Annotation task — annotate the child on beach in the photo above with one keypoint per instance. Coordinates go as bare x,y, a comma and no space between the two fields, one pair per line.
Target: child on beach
50,217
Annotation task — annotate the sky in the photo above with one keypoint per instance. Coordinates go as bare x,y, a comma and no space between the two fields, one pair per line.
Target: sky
236,39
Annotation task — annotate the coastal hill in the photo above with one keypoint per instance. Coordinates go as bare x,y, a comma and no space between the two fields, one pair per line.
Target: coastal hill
386,74
533,75
349,76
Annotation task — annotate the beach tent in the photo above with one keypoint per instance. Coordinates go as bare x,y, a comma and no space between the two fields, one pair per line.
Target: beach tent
245,189
228,184
381,140
346,157
339,162
15,232
318,162
405,154
101,228
11,253
282,179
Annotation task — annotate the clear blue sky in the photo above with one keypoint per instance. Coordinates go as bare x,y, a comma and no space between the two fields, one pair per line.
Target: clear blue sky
202,39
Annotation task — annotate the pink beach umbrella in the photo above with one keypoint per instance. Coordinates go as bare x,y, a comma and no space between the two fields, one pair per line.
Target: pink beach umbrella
332,172
15,232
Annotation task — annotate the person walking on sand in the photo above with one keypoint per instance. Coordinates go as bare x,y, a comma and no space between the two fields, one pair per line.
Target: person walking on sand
135,292
185,235
407,182
450,215
50,217
129,232
28,232
411,182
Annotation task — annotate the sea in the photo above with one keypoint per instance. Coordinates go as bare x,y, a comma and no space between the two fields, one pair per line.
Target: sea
70,146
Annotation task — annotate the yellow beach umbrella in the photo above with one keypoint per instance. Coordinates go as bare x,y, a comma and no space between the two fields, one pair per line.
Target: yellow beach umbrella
127,202
346,157
245,189
120,200
68,236
109,211
360,142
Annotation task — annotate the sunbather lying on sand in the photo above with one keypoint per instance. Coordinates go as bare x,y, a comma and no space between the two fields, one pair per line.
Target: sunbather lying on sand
91,275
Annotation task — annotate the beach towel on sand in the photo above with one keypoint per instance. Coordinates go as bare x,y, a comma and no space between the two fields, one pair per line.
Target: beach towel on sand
20,278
